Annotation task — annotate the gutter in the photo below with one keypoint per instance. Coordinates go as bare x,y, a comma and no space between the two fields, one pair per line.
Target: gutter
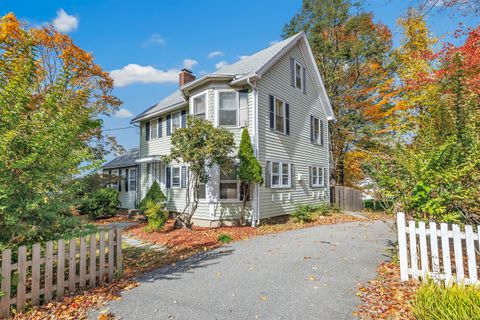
256,204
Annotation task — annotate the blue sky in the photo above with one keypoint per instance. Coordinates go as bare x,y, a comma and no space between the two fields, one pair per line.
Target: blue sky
158,38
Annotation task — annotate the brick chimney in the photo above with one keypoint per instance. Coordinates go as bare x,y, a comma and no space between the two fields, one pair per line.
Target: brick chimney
185,76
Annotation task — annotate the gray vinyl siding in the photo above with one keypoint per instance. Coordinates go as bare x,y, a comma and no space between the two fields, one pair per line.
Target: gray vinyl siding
214,210
295,148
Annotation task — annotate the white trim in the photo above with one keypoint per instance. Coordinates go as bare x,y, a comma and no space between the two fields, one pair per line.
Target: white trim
281,174
179,167
275,98
220,181
295,64
320,172
318,141
192,107
329,110
160,112
149,159
151,128
217,108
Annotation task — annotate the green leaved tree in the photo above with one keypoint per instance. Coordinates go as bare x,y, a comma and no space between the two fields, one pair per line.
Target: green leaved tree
201,146
249,171
51,97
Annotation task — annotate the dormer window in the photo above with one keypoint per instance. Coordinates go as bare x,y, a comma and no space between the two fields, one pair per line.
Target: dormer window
298,76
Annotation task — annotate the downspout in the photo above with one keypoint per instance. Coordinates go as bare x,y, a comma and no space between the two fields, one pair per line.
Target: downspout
256,202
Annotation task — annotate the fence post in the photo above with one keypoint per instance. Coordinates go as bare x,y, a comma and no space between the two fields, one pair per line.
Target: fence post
447,266
83,262
35,274
101,257
111,256
402,246
22,277
48,271
60,269
6,282
457,249
92,269
118,239
423,249
472,261
434,248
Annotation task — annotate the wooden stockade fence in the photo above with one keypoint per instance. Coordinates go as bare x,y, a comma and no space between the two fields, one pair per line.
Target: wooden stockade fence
36,276
429,251
346,198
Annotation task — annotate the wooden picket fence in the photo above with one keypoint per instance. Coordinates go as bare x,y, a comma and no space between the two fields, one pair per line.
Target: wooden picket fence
428,252
37,276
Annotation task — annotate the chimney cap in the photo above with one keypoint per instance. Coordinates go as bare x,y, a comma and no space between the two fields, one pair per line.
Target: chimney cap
186,70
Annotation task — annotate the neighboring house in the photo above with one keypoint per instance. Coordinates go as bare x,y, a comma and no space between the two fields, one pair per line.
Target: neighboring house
125,167
279,96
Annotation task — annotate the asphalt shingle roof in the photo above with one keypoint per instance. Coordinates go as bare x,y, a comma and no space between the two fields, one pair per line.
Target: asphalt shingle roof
253,63
245,66
125,160
176,98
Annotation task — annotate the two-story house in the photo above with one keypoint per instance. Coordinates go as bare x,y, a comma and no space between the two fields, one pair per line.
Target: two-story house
278,94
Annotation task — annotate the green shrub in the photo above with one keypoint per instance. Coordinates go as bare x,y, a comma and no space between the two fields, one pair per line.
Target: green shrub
224,238
436,302
303,213
156,215
324,209
101,203
154,194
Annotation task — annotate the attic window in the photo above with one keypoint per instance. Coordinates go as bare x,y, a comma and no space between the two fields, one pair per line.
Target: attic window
298,76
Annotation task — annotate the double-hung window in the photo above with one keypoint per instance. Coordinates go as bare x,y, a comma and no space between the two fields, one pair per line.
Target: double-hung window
202,191
200,106
298,76
316,127
132,180
280,174
176,177
228,185
228,106
317,176
176,120
280,115
153,129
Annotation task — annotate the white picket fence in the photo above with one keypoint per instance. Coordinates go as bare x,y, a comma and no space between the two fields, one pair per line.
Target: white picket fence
428,251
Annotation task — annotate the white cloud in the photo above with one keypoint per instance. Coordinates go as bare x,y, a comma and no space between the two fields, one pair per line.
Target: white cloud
65,22
242,57
273,42
214,54
154,39
123,113
134,73
221,64
189,63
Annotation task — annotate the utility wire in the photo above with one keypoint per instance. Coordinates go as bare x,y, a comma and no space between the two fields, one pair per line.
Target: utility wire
124,128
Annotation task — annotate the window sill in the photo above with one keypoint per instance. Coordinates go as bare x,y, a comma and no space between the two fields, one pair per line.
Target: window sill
280,187
279,132
229,201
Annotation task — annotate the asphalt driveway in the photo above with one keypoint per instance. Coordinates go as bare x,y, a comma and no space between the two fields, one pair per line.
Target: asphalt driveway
304,274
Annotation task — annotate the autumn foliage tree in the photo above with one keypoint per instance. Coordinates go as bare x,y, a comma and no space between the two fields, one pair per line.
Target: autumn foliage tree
351,52
433,168
51,94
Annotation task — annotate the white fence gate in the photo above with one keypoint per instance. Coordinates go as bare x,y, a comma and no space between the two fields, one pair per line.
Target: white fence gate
429,251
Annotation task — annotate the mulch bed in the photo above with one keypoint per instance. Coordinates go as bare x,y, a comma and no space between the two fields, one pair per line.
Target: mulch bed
386,297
